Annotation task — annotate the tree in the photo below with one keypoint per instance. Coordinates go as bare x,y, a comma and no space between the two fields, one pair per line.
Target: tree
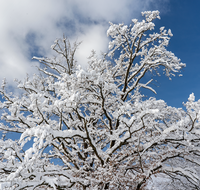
92,128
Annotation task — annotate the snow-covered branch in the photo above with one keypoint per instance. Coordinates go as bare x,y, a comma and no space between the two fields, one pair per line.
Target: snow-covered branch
91,128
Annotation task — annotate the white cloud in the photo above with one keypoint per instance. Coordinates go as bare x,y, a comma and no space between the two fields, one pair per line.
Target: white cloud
29,28
94,38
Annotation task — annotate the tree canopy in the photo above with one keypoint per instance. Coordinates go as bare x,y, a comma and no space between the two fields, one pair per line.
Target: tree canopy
92,128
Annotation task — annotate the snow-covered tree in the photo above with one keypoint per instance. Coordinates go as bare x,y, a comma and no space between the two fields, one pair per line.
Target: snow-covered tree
92,128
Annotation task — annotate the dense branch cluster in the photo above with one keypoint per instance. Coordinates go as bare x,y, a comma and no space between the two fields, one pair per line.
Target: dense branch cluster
92,129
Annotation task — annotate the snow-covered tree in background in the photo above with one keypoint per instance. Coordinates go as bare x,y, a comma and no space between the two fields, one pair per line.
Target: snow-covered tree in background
92,129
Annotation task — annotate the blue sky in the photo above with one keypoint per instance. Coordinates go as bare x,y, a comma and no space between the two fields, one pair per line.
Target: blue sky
28,28
183,18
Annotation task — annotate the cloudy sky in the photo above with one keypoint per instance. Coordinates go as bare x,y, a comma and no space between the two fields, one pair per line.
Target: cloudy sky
29,27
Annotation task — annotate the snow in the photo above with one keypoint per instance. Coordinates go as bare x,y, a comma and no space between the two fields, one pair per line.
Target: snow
95,123
191,98
158,182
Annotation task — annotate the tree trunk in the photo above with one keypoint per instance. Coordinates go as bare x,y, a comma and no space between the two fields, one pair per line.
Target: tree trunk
140,184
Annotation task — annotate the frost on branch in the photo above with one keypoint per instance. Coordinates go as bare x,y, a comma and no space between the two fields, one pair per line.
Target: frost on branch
91,128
